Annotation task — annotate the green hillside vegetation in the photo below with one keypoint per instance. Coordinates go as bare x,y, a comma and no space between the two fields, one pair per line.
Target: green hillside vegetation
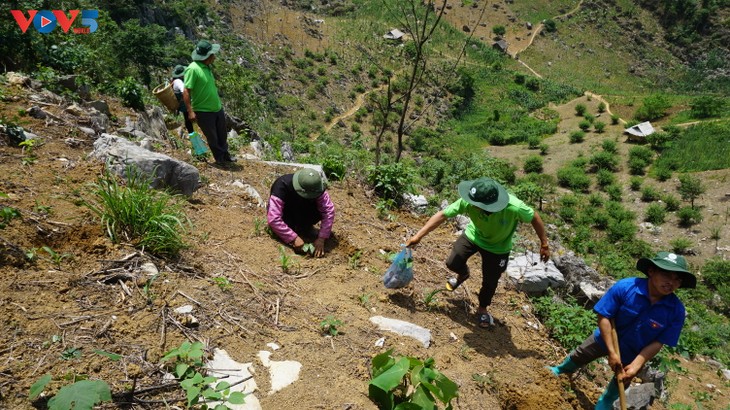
627,52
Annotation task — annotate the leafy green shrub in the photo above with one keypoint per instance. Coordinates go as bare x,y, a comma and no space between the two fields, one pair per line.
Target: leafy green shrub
599,126
649,193
689,216
637,166
601,219
390,181
619,212
596,200
544,149
334,168
690,188
653,107
707,106
580,109
584,125
716,272
680,245
130,93
615,119
550,25
610,146
621,230
567,321
590,117
662,173
408,383
577,137
601,107
533,142
643,153
671,202
574,178
136,212
635,183
655,213
615,193
605,178
604,160
659,140
533,163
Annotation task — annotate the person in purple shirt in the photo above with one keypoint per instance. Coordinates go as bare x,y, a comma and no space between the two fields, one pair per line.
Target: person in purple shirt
647,315
297,202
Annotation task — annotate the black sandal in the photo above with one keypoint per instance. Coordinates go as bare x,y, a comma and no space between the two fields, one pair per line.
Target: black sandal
485,320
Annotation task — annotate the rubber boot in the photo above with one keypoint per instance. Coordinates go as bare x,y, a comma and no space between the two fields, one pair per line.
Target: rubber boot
568,366
610,395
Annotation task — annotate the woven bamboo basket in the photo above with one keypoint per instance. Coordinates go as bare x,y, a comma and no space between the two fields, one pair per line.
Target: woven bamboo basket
164,93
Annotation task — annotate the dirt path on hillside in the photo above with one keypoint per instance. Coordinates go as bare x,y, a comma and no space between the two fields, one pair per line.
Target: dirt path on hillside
539,28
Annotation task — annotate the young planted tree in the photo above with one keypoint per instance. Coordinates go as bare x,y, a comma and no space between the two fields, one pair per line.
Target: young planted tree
690,188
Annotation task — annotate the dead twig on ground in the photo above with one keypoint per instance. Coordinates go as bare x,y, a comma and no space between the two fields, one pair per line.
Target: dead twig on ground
189,298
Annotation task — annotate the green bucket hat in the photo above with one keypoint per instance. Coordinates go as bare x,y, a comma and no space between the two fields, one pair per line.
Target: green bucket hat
308,183
670,262
484,193
178,71
204,49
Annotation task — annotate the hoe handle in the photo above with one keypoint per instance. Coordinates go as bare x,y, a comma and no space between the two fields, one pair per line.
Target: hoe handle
621,392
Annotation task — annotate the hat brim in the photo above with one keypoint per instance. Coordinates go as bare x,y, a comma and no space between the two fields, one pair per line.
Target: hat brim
689,281
498,205
200,57
301,191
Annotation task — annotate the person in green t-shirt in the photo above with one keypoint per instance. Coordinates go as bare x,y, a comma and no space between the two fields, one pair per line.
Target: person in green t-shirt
203,103
494,215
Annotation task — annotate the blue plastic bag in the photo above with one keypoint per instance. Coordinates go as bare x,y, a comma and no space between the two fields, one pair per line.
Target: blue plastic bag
400,272
199,147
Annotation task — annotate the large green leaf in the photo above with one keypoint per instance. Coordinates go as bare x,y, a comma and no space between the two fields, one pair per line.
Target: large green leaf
381,363
408,406
442,387
384,400
81,395
37,387
392,377
423,398
237,398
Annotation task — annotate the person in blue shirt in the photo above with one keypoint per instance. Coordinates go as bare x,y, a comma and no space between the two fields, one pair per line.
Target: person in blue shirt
647,315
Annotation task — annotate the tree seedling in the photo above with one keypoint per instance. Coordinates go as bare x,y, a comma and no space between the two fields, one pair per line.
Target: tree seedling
223,283
56,257
407,382
308,248
330,325
188,361
429,298
258,226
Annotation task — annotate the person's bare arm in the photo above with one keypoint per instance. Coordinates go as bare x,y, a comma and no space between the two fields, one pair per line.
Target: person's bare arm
646,354
604,324
437,219
188,106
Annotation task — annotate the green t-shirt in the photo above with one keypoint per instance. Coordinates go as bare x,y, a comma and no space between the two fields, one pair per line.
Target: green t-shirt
494,232
203,92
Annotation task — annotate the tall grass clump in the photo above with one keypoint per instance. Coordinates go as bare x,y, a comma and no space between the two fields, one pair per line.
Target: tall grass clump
137,213
567,321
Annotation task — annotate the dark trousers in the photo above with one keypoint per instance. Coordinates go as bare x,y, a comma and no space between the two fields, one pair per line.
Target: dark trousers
213,125
493,265
588,351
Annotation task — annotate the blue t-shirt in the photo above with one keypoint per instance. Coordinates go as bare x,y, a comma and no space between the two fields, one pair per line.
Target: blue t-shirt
638,322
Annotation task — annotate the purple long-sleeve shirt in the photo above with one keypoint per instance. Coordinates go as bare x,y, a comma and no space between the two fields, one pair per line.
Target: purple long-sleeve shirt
285,205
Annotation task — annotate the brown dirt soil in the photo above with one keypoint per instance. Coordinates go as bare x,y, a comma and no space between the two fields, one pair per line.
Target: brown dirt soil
82,300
